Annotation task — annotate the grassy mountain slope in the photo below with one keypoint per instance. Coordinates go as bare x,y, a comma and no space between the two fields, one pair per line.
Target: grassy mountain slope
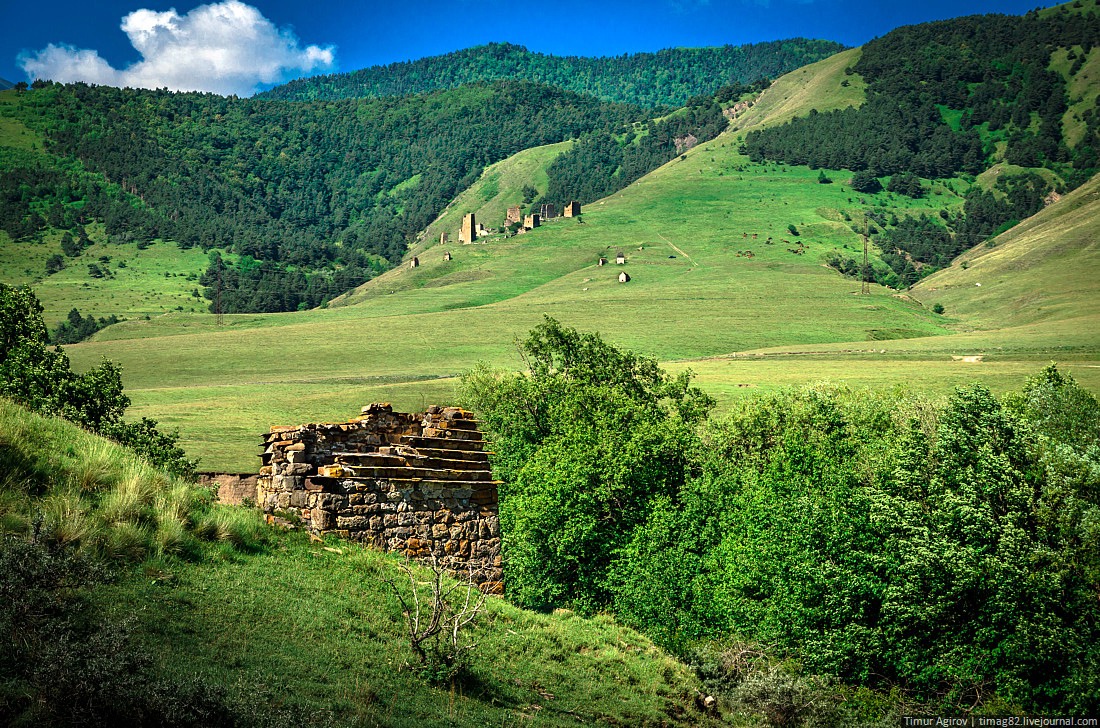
285,625
668,77
822,86
320,194
500,186
701,288
1045,269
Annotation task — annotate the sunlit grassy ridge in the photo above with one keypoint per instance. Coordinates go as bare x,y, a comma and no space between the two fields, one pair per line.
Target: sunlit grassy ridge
1043,270
78,490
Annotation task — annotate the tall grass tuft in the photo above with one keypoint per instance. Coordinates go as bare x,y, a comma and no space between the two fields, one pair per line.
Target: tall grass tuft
239,527
96,467
66,520
86,493
125,541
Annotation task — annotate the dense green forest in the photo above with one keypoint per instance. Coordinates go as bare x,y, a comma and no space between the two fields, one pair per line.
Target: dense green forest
947,552
665,78
604,162
315,198
988,75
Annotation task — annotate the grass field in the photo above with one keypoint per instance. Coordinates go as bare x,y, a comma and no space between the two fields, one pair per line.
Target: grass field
702,289
316,630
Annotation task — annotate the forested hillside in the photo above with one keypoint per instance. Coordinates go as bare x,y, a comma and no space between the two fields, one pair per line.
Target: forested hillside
954,97
314,197
604,162
668,77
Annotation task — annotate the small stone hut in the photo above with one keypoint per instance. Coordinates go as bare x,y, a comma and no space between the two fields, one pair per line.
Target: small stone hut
620,258
414,263
602,261
446,256
624,277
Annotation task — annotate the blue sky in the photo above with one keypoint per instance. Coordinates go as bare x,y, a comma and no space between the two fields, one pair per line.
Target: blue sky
233,47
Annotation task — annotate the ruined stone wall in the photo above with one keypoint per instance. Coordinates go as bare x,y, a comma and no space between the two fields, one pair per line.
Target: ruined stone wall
414,483
232,488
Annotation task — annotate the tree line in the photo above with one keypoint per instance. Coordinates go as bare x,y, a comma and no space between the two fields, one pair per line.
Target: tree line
604,162
324,194
666,78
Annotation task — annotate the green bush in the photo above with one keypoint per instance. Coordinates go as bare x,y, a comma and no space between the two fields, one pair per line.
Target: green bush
42,380
586,442
950,551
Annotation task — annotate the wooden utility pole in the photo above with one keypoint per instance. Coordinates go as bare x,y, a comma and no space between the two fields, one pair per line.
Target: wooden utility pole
218,321
865,289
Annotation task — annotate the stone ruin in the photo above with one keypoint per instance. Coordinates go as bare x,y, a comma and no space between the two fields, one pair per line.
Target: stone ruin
548,211
532,221
684,143
418,484
572,209
514,216
468,233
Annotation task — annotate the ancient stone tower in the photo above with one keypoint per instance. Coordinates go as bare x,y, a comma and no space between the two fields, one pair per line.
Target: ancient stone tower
572,209
531,221
418,484
548,211
514,215
468,233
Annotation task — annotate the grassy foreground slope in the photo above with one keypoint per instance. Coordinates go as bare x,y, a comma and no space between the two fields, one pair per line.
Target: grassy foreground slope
701,287
285,626
320,631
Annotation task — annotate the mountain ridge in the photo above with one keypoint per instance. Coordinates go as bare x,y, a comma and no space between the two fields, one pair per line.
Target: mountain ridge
667,77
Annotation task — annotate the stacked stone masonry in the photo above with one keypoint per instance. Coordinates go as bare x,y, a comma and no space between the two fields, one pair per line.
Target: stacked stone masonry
418,484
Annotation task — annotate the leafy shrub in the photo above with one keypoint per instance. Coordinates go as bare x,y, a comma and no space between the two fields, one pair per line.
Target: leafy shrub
892,543
586,441
42,380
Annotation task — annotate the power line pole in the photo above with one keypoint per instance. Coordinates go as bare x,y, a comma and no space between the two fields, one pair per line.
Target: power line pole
218,320
865,289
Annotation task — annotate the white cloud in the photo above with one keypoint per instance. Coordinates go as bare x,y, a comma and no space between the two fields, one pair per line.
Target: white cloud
227,47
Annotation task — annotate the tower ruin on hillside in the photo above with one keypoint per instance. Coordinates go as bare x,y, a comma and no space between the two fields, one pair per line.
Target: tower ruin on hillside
572,209
514,216
468,233
531,221
548,211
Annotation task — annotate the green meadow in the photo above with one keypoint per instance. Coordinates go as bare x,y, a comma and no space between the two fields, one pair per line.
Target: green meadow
718,283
